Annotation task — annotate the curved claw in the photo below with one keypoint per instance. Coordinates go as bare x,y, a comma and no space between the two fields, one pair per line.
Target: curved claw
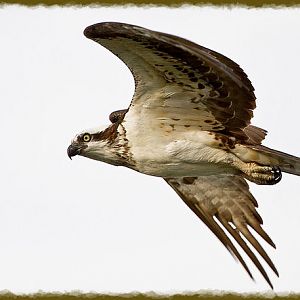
263,174
277,175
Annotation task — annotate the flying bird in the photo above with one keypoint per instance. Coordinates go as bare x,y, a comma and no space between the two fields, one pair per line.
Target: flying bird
189,123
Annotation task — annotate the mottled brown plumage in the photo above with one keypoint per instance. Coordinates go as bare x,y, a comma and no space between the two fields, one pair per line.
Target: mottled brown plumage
228,199
189,123
231,99
117,116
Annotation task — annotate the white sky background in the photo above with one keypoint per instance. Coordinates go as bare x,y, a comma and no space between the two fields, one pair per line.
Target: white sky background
89,226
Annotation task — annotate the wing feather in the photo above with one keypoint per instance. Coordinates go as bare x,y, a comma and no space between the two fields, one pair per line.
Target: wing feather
206,88
227,198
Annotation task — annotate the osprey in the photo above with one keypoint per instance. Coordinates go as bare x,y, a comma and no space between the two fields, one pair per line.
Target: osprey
189,123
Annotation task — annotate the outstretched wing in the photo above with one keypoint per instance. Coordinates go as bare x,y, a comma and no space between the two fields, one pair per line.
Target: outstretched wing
226,200
179,83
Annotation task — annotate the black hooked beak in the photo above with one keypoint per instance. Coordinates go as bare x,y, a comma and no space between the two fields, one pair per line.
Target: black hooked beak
74,149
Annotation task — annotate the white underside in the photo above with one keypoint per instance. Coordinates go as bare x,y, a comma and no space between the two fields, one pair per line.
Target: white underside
179,154
183,169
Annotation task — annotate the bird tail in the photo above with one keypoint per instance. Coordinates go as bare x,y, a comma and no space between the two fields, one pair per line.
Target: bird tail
286,162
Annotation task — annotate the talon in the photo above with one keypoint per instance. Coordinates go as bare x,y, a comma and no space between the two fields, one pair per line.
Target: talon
277,174
264,174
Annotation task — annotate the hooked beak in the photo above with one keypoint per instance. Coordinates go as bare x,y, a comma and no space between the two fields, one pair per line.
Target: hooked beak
74,149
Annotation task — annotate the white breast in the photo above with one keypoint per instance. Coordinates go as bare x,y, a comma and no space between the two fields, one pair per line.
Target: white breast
175,153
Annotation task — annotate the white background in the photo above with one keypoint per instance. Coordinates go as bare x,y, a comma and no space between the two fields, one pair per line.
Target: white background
89,226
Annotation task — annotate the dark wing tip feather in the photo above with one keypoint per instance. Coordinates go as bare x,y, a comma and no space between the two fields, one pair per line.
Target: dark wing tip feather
89,32
109,30
234,209
93,31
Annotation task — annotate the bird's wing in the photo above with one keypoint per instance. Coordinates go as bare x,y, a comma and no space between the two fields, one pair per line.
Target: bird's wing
181,82
225,205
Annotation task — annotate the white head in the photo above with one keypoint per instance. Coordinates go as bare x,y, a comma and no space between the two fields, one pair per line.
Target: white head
97,143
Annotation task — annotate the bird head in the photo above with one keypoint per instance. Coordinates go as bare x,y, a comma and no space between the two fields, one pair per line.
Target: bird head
95,144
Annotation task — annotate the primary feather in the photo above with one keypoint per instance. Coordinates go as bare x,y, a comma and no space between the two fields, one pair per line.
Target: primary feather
189,123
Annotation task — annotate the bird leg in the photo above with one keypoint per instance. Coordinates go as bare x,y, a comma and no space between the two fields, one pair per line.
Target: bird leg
262,174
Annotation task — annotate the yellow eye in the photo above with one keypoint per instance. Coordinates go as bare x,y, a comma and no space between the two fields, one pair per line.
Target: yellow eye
86,137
